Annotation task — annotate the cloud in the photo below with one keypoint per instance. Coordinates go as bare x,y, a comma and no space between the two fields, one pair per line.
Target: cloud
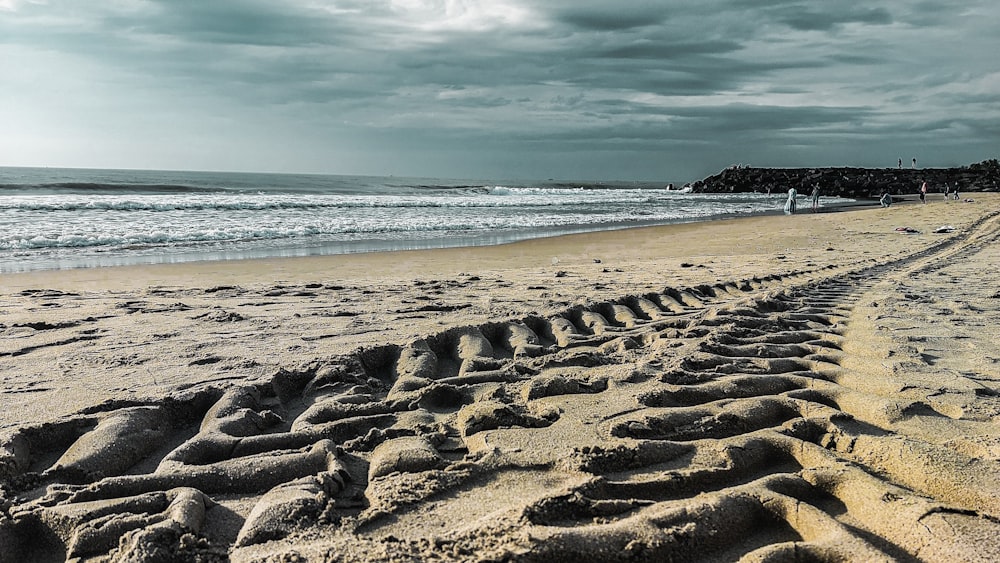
231,22
606,16
399,79
809,19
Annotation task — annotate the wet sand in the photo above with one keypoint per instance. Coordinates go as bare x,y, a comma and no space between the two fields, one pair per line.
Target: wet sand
817,386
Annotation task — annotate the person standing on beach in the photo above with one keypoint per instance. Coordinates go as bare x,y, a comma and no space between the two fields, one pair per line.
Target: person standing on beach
956,191
815,198
791,203
923,192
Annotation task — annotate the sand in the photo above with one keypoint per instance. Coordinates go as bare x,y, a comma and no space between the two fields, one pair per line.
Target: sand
817,387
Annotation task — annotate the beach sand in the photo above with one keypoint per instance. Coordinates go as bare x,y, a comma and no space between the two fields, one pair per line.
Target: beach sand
816,387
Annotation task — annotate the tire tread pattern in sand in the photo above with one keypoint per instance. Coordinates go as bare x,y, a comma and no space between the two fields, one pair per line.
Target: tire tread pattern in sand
751,420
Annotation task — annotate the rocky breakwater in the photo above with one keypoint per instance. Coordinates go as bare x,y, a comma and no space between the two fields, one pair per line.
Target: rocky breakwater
853,182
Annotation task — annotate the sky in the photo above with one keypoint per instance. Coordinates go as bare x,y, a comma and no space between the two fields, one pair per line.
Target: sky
564,89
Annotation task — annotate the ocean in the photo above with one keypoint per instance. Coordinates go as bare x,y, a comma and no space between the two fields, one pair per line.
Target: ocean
52,218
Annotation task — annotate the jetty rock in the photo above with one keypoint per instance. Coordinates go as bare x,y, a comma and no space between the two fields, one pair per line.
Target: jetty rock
853,182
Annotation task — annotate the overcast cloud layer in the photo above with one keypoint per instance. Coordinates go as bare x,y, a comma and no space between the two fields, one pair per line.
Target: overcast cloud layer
569,89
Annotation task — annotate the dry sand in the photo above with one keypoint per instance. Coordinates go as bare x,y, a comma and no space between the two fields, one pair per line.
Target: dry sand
817,387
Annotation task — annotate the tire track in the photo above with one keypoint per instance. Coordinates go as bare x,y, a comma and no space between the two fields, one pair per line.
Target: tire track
730,421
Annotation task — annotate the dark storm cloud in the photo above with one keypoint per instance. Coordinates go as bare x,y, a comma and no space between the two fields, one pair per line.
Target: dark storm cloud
662,50
242,22
801,14
610,16
806,19
401,75
703,122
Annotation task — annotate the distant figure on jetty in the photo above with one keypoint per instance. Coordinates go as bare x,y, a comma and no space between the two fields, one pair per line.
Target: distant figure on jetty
886,199
901,163
815,198
791,203
923,192
914,163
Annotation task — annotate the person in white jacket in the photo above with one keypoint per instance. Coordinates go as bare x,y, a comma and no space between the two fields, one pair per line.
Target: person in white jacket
791,203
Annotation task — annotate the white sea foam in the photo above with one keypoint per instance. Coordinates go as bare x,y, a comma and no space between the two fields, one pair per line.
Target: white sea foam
54,218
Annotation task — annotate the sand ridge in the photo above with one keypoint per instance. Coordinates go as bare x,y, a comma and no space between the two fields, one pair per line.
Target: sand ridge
835,405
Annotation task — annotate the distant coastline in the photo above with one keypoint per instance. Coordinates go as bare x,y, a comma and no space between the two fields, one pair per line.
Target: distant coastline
849,182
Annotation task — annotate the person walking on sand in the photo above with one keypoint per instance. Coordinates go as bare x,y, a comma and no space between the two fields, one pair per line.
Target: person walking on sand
791,203
923,192
815,198
956,191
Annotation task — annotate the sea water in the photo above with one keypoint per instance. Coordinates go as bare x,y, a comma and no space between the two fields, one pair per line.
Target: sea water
72,218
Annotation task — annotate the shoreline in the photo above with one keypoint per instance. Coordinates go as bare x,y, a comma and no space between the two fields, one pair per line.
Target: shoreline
829,208
531,251
829,375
